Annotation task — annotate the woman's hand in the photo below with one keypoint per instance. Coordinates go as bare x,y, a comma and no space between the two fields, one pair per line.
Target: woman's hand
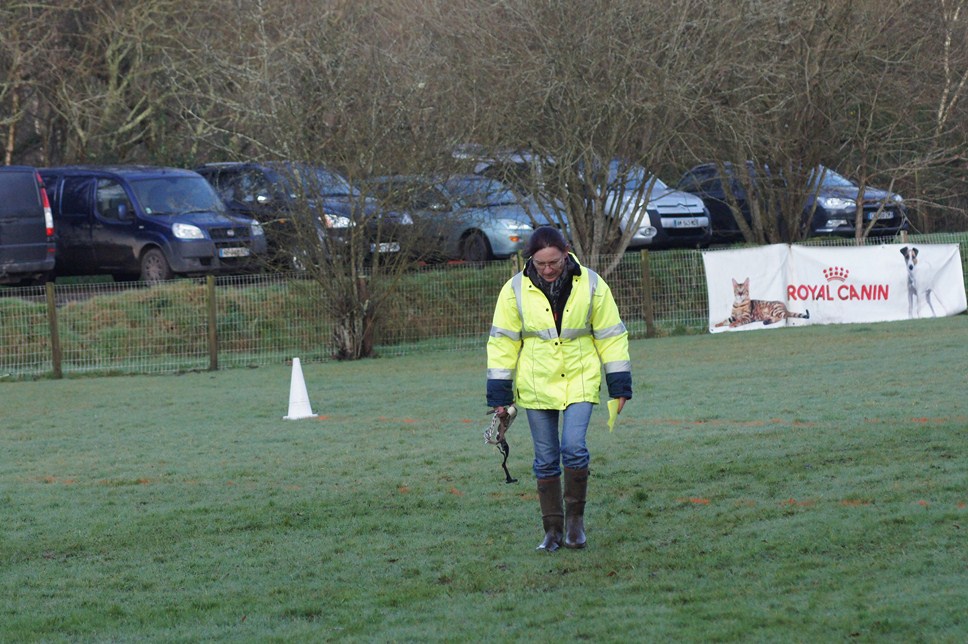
621,404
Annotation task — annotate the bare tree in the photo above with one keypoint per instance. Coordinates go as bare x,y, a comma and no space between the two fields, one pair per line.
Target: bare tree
592,92
932,162
24,37
579,87
817,84
109,78
770,102
344,92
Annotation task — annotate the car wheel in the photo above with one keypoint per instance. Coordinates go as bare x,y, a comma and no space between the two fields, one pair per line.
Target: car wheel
476,249
154,266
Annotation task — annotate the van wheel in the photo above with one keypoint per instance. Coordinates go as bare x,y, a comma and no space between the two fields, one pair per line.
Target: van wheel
154,266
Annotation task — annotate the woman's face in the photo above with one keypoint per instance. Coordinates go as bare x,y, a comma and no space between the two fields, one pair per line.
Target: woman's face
549,262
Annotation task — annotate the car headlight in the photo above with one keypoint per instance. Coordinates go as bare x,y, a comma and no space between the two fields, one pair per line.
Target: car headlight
257,230
837,203
513,224
187,231
645,229
330,220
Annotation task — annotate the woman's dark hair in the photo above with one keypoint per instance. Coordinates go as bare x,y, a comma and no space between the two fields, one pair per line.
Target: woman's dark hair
546,237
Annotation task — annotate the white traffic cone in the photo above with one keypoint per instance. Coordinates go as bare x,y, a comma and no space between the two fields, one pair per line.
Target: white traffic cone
298,396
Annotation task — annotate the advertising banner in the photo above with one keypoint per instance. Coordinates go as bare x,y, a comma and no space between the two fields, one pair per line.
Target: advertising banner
782,285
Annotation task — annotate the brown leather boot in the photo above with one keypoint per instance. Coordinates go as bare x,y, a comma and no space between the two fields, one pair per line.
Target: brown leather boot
576,485
552,516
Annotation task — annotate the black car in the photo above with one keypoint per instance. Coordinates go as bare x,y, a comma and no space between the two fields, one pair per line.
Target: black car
27,243
831,206
292,200
146,222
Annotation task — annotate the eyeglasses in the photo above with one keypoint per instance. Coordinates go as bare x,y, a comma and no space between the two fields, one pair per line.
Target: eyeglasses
552,264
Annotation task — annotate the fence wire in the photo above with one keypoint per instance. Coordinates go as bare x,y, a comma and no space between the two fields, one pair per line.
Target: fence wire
238,321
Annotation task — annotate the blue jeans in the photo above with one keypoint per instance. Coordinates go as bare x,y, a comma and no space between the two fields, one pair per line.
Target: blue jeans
549,452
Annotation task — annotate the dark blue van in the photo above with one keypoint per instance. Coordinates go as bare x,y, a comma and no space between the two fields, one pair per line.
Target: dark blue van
27,242
148,223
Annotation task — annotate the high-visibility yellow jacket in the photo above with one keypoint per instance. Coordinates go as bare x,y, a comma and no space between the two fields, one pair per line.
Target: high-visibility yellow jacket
534,366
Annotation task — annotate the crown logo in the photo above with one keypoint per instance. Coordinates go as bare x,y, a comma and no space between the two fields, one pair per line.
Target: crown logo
836,274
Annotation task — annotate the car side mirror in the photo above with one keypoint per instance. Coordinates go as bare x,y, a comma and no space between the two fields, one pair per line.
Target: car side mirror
122,211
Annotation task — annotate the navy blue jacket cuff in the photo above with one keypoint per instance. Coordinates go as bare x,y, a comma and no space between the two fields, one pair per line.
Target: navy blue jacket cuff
619,384
500,393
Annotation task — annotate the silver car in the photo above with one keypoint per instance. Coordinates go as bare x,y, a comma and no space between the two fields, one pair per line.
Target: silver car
463,217
663,217
677,219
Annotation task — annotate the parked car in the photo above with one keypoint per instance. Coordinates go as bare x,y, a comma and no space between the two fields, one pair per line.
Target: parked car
290,199
831,206
671,219
146,222
680,219
467,217
27,242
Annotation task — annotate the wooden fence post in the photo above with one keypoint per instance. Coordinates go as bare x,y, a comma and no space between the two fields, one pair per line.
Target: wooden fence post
648,306
55,348
212,325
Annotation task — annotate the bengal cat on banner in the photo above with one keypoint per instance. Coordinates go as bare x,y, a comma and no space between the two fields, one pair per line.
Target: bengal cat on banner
746,310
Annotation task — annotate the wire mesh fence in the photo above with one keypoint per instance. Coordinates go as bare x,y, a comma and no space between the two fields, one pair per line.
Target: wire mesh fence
236,321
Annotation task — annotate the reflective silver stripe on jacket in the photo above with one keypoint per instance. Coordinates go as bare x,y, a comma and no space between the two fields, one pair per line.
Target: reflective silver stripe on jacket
610,332
544,334
516,287
592,285
618,366
500,374
497,331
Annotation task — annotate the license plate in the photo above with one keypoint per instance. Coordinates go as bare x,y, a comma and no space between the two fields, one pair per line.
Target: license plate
385,247
682,222
239,251
881,215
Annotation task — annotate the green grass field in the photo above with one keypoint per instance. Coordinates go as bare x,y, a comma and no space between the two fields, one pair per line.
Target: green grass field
786,485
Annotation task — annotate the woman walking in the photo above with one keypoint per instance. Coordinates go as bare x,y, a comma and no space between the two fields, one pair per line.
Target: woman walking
555,326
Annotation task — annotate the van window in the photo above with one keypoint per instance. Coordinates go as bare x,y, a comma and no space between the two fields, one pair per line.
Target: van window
75,195
110,195
19,196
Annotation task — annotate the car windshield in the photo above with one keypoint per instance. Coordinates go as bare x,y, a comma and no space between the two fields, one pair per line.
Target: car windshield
176,195
831,179
622,176
314,181
481,192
